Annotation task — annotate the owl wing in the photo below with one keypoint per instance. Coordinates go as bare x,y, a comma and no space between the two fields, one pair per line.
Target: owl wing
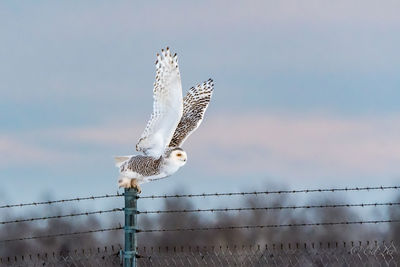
195,104
167,106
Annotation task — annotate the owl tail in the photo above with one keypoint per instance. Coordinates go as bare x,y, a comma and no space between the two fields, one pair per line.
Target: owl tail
121,160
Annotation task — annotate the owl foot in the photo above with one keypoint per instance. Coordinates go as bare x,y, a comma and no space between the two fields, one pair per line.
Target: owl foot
135,185
124,182
129,183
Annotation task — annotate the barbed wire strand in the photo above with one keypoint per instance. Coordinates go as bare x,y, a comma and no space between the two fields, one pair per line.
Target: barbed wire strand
62,234
60,201
267,226
203,210
203,228
345,189
63,216
87,213
271,208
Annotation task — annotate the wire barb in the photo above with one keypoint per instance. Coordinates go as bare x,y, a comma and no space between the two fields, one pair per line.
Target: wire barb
345,189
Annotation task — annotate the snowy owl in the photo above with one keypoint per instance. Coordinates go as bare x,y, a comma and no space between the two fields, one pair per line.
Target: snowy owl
172,121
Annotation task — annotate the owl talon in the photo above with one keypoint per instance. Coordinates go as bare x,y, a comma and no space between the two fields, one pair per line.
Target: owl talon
124,182
135,185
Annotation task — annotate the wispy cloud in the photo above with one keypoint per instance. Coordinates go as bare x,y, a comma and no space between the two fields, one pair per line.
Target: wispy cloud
312,145
220,14
253,142
16,151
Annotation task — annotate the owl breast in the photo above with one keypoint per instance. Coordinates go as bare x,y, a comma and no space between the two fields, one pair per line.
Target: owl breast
169,169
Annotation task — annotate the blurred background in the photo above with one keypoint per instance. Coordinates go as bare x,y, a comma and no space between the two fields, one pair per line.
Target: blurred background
306,96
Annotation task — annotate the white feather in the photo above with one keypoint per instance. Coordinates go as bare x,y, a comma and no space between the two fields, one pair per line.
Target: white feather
167,107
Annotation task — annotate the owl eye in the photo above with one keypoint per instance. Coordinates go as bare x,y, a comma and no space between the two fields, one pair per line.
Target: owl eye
179,154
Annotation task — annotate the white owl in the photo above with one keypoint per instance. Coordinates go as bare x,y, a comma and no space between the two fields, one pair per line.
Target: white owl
172,121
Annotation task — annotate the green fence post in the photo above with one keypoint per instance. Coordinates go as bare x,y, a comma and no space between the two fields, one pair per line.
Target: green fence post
131,196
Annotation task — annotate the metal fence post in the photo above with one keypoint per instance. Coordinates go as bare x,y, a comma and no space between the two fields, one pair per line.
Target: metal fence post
130,227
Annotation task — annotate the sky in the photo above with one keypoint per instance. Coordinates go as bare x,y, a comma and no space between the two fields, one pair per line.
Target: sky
306,93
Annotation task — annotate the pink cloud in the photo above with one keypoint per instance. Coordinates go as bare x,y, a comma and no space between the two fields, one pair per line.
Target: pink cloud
277,143
317,143
281,145
110,134
14,151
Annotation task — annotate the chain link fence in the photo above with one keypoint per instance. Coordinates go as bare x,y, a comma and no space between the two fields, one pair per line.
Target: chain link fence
105,256
361,255
309,254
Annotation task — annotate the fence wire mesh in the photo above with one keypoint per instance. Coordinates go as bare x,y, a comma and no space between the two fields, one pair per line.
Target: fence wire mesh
106,256
309,254
362,255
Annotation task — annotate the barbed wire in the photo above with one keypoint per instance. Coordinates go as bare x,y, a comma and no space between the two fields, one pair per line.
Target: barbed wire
61,201
345,253
345,189
63,216
282,245
62,234
203,228
91,251
272,208
87,213
266,226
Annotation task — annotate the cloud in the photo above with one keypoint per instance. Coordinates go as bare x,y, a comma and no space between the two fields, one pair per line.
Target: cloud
310,145
228,15
16,151
113,134
94,55
282,145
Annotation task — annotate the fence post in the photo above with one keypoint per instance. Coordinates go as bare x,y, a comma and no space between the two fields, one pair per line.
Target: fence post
130,227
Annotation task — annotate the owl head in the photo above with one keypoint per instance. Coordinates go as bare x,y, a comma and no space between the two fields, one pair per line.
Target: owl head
177,155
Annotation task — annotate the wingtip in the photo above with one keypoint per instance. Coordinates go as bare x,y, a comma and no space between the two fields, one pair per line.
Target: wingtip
210,82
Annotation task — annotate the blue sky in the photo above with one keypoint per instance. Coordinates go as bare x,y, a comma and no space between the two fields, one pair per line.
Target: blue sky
306,93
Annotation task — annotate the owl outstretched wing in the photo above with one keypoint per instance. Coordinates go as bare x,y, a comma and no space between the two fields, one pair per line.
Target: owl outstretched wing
167,106
195,104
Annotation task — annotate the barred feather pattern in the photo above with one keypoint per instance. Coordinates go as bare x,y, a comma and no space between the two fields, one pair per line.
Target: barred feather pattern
143,165
195,104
